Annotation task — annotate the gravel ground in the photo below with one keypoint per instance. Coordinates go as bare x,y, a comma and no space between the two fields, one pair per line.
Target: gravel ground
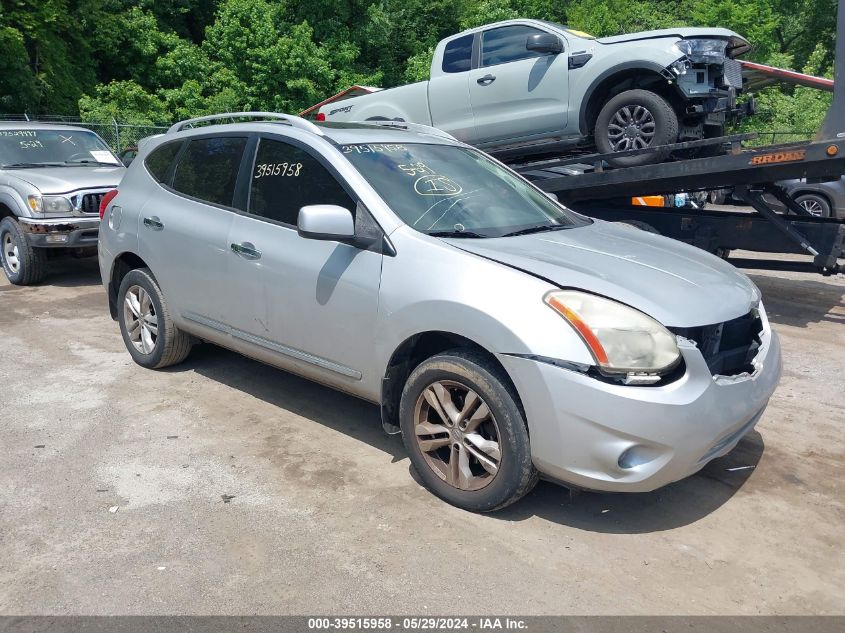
224,486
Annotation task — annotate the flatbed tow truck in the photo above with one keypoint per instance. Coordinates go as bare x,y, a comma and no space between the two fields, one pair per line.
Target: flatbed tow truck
586,184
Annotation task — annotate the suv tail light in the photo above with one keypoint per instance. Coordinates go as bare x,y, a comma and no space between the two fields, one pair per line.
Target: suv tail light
105,201
320,117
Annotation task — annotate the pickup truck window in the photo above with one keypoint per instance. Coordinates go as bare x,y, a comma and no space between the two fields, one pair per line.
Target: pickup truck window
455,191
507,44
32,148
457,56
209,168
286,178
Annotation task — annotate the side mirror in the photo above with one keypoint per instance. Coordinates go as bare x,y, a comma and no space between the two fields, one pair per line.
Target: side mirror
325,222
544,43
552,196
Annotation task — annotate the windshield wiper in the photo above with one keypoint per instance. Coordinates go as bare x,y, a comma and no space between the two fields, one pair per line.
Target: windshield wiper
540,228
457,234
90,162
33,165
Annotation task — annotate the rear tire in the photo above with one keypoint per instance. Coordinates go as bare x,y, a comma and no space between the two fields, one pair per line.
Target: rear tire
148,330
23,264
636,119
478,456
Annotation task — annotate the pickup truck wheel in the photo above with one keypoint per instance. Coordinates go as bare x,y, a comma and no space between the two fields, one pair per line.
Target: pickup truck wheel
22,263
148,330
635,119
464,432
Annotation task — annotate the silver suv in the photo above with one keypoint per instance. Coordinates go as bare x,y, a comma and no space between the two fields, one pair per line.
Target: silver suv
52,180
503,335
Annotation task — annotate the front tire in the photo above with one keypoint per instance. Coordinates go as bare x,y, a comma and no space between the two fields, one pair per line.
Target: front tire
23,264
636,119
815,204
465,433
148,330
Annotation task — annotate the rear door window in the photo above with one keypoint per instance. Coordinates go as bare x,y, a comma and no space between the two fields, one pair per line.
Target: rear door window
208,169
286,178
457,56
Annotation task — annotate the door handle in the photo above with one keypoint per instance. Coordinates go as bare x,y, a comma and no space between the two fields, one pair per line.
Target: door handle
153,223
486,80
246,250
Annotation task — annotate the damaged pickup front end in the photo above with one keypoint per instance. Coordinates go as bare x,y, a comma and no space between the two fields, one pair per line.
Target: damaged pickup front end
710,80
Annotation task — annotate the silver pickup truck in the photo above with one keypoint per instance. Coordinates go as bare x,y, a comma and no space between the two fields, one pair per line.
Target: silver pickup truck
52,180
527,86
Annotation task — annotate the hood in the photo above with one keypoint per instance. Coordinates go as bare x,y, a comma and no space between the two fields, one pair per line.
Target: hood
677,284
737,45
52,180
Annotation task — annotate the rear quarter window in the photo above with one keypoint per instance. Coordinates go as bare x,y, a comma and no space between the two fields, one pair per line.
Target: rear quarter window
159,160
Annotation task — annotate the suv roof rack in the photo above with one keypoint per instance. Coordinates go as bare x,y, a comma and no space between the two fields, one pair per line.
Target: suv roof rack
290,119
419,128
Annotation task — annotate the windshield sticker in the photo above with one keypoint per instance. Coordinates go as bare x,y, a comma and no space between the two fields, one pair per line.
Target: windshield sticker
386,148
102,156
277,169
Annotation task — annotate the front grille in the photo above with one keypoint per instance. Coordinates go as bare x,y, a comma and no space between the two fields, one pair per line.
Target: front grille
91,202
730,347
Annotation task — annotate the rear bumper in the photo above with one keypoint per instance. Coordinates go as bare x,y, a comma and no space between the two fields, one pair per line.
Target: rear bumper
607,437
61,232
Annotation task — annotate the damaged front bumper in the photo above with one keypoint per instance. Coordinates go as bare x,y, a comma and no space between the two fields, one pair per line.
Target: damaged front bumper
599,436
712,88
61,232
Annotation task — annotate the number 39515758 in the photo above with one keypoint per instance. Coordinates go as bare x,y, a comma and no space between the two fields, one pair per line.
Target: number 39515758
264,170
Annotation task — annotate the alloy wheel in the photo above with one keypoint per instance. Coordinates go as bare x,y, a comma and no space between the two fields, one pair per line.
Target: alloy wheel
141,320
457,435
813,207
11,253
631,127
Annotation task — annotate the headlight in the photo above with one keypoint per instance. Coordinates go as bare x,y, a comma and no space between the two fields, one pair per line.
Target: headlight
50,204
703,50
623,341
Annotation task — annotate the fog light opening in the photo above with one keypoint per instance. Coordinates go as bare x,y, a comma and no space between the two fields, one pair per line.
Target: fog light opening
636,455
56,238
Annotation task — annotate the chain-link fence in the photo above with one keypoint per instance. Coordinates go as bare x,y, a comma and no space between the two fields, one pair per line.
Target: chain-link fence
118,136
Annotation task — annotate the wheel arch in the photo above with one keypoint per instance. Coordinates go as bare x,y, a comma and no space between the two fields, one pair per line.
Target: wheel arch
636,74
121,266
413,351
5,211
813,192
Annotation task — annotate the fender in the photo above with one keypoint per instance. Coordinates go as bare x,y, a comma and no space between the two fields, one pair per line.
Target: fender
12,199
615,70
381,112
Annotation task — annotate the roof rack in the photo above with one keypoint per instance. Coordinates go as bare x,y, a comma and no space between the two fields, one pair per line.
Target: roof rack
293,121
419,128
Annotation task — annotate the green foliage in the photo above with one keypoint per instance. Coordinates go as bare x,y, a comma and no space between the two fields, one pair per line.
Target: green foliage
802,110
152,61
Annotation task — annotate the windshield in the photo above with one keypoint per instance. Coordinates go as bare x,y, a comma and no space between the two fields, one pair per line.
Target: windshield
35,148
455,191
